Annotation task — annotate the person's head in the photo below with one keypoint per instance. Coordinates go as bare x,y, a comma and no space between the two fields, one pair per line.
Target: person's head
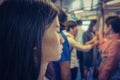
92,26
79,22
28,35
72,27
112,25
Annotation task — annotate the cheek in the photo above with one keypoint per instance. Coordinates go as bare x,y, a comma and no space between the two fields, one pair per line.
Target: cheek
50,46
55,42
52,40
75,31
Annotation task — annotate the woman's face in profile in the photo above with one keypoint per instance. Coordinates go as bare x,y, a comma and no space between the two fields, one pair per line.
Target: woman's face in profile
52,42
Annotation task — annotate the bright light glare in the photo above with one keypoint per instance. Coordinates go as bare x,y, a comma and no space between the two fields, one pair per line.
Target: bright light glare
86,22
79,11
85,25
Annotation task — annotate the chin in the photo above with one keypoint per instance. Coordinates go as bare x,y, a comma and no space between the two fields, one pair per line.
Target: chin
57,58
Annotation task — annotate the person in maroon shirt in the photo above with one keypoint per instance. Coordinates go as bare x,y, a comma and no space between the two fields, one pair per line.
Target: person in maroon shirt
109,43
109,68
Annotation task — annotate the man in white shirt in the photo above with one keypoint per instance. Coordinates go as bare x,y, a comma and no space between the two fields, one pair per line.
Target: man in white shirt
71,33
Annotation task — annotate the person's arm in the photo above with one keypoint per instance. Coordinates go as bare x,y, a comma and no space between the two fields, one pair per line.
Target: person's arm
113,57
92,41
98,39
78,45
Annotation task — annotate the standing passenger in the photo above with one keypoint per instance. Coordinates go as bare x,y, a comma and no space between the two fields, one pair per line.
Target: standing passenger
109,68
89,56
71,34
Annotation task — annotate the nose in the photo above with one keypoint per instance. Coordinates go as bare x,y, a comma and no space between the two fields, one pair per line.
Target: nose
61,39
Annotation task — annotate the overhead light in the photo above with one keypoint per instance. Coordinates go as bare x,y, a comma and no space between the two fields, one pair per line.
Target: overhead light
87,8
79,11
113,2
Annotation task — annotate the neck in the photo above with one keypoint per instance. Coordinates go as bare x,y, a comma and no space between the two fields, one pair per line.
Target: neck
42,71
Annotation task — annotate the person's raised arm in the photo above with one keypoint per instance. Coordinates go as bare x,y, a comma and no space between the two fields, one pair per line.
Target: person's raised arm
78,45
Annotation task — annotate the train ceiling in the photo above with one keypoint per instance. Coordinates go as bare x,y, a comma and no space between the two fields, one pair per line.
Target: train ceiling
72,5
75,5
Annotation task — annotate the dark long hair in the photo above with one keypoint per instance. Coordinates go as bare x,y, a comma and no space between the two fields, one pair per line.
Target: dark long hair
92,23
22,26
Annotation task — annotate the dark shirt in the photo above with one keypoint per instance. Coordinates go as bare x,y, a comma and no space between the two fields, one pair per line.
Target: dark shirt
88,56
